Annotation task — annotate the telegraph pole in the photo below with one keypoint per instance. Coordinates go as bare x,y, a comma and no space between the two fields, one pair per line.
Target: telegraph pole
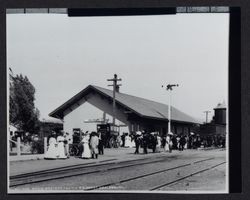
115,86
170,88
207,111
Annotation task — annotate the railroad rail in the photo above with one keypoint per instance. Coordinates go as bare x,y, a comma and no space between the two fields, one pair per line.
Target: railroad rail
80,169
99,167
185,177
159,172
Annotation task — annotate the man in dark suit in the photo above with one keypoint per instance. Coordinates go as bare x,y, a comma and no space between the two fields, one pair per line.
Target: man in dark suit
145,142
101,144
137,141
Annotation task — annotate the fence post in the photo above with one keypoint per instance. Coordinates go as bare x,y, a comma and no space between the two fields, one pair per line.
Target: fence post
10,145
45,145
18,146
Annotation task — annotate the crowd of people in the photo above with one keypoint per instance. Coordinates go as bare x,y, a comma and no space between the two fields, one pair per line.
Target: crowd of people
170,141
58,147
93,144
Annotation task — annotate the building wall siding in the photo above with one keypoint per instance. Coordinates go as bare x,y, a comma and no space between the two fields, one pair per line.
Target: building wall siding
92,108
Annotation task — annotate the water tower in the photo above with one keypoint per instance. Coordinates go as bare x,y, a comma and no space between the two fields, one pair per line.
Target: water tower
220,114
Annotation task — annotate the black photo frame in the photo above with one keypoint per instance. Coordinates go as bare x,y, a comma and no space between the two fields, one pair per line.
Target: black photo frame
238,90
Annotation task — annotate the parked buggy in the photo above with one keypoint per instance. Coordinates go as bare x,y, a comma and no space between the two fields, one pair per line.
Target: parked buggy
109,134
76,148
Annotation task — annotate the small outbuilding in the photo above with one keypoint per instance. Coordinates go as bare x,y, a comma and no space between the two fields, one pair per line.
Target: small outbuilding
218,125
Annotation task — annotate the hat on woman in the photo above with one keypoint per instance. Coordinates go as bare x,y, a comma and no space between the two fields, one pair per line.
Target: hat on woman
138,133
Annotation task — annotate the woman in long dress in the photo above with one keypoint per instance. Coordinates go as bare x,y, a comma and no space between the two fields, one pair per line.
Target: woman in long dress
60,147
86,150
186,144
52,150
132,144
167,143
158,146
127,141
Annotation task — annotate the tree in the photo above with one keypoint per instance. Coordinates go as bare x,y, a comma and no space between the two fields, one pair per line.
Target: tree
13,106
23,112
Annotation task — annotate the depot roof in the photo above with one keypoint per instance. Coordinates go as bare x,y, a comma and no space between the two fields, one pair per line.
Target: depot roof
140,106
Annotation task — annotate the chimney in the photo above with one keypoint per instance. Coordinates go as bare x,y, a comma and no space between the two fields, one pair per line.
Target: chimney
117,88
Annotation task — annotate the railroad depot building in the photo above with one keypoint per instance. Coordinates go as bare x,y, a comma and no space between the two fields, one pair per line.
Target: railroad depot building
93,105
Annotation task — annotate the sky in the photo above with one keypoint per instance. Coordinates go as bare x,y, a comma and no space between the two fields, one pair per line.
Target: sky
62,55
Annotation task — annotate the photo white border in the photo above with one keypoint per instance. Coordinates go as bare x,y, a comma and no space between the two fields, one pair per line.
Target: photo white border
9,191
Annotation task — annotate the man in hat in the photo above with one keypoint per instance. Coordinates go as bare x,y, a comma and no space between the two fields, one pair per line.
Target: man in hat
153,141
101,143
94,141
182,142
137,141
145,142
66,144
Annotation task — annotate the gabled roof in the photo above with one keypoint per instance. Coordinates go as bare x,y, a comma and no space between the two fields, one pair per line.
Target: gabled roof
140,106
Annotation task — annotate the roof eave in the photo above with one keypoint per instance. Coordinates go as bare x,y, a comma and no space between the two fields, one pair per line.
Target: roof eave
58,112
166,119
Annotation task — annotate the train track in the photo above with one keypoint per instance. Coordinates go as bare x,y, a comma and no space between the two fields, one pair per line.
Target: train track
59,169
76,170
158,172
89,168
185,177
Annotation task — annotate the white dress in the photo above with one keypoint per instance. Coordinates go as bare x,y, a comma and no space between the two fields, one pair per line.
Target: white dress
52,150
185,146
60,147
167,143
86,150
158,146
132,143
128,141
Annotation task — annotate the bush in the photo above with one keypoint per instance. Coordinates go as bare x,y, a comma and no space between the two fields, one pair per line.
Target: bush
37,147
